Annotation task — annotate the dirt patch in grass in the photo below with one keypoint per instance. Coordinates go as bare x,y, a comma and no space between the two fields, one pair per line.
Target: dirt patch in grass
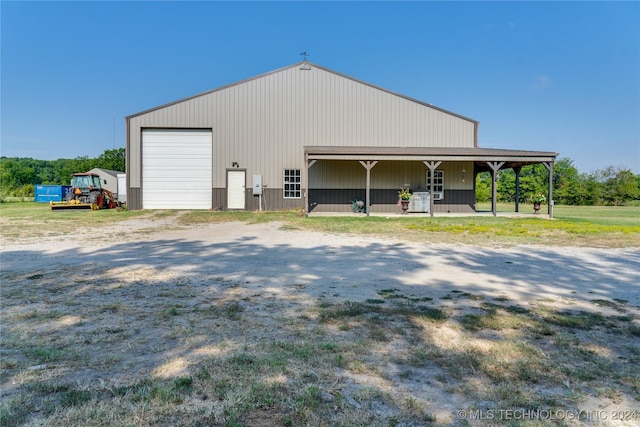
236,324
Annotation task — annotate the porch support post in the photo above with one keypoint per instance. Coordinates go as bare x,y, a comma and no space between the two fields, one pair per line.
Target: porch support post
549,166
475,188
517,169
368,165
495,167
309,163
432,167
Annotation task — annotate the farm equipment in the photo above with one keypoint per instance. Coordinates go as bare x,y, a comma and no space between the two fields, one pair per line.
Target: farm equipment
86,192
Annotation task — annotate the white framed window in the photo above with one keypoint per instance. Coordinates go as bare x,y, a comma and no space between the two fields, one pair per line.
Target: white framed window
292,185
438,183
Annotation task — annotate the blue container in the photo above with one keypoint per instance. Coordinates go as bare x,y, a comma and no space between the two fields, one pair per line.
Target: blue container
50,193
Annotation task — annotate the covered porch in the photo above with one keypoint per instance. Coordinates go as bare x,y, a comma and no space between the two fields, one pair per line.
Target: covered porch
342,172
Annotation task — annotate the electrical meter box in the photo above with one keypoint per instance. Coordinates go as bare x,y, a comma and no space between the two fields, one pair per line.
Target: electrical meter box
257,185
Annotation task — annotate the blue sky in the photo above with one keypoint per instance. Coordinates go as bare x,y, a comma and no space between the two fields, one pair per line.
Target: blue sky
549,76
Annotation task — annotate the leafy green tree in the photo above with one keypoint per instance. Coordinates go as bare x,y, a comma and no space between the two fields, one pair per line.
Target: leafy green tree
46,173
26,190
112,159
15,173
619,186
567,186
67,167
483,187
533,179
593,190
506,185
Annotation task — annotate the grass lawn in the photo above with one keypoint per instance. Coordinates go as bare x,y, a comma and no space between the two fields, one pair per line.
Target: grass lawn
572,226
591,226
604,215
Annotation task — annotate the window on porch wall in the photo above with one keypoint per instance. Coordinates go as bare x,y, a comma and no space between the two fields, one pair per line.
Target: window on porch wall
438,182
292,185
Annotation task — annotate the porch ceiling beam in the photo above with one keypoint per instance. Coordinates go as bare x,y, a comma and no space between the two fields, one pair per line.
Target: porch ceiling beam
368,164
418,158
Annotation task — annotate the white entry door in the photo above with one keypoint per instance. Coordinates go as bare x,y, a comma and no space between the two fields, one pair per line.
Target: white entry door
236,180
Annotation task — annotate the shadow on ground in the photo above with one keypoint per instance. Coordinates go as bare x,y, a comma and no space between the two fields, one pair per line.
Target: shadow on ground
113,315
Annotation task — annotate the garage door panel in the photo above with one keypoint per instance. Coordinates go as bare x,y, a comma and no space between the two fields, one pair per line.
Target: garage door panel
168,174
164,180
176,169
187,152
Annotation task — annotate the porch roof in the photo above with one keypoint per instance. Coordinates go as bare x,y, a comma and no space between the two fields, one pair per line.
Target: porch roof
512,158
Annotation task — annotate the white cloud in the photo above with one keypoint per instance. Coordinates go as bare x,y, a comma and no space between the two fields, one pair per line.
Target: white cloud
541,82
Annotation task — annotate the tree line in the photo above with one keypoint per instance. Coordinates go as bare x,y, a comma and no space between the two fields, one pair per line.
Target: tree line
609,186
19,175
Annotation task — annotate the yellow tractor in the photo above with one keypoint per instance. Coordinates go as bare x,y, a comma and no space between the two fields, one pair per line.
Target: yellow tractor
86,192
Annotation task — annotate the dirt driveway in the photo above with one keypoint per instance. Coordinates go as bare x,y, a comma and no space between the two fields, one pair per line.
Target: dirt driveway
353,267
137,303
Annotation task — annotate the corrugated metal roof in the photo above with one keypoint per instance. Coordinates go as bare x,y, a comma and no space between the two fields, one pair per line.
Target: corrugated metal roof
429,153
423,151
107,171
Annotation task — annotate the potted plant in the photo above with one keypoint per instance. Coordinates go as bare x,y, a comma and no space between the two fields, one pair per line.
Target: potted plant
537,199
404,194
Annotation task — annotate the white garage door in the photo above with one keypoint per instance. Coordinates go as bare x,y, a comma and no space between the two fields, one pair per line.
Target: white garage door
176,169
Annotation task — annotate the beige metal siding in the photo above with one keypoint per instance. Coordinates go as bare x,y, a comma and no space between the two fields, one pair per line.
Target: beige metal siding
264,123
463,202
335,174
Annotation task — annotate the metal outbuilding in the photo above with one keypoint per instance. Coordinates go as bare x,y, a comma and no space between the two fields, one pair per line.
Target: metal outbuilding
310,138
108,178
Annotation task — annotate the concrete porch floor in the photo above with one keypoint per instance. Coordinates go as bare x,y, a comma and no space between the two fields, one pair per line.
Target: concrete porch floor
505,214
